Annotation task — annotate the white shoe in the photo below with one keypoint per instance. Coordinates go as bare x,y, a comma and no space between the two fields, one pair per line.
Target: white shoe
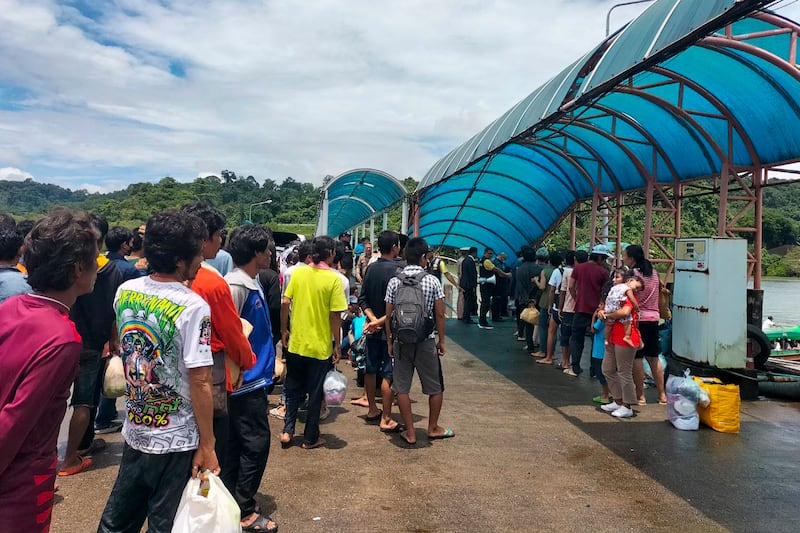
610,407
623,412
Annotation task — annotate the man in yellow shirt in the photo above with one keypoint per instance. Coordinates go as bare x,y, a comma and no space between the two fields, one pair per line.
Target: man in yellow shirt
316,297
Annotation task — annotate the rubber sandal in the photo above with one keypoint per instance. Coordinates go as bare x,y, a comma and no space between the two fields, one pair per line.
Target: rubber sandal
86,463
307,446
397,429
599,399
642,402
373,419
543,362
405,439
448,433
262,524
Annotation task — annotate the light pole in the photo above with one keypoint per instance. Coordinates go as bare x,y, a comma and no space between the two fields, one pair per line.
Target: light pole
608,15
250,212
604,211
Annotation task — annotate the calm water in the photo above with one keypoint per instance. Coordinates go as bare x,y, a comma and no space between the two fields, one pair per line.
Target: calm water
782,300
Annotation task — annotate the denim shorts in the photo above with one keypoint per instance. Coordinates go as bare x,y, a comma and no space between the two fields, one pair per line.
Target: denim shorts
86,388
378,361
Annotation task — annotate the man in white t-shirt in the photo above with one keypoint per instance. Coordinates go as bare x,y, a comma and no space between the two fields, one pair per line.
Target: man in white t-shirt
165,344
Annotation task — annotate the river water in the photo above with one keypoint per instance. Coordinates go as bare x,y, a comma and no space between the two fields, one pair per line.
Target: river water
782,300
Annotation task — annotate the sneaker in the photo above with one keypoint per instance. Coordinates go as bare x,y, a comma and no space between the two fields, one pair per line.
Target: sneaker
323,414
520,338
113,427
570,372
278,412
623,412
610,407
485,326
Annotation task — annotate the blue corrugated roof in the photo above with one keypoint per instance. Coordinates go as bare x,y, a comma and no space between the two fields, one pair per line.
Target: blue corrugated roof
618,117
357,195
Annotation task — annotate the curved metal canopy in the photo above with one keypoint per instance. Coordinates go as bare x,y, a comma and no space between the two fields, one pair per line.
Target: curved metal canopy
682,90
355,196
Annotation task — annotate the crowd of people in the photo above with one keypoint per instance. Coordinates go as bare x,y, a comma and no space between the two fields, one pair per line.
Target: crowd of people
576,294
204,335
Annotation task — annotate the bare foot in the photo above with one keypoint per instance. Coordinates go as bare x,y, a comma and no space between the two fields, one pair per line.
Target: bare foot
628,341
361,402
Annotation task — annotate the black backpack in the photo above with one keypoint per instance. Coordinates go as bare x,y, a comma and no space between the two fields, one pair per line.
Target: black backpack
410,320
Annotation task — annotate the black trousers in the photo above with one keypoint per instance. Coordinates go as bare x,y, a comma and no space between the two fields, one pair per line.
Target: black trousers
470,304
148,486
304,375
247,450
486,301
580,321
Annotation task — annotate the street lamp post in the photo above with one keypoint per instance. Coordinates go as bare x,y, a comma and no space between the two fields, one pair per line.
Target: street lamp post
250,212
604,211
608,15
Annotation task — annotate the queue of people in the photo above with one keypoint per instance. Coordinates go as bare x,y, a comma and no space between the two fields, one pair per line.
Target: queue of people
199,353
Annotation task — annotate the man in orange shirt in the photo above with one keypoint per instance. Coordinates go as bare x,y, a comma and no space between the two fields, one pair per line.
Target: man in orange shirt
228,341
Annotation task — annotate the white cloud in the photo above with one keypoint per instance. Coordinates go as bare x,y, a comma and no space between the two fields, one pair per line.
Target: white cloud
14,174
272,89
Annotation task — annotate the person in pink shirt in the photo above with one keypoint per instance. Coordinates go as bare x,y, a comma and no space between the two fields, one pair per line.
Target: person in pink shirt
39,353
648,323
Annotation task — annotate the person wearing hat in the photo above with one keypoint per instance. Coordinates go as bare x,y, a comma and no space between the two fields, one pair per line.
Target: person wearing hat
585,286
346,264
488,269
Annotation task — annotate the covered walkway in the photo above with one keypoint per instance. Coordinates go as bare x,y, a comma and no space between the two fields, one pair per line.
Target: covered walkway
689,90
358,196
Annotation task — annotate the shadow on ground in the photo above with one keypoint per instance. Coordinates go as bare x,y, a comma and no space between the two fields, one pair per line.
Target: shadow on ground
747,482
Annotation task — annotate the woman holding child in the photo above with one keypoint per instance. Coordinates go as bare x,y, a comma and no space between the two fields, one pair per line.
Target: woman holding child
648,323
621,341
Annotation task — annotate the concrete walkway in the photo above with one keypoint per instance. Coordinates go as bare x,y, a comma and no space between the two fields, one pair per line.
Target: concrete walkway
532,453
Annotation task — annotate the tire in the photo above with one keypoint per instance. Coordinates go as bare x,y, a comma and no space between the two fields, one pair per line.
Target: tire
761,345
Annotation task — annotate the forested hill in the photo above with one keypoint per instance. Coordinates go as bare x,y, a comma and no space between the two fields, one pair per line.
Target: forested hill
292,202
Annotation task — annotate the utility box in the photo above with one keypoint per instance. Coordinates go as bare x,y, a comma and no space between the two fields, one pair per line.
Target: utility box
709,324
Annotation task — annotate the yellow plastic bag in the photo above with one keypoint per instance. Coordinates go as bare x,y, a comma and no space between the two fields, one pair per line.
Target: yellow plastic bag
722,413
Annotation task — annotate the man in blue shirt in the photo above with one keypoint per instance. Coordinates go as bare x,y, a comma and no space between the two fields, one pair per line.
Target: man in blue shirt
12,281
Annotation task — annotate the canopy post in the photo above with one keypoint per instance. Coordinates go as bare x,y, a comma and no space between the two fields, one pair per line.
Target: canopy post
404,216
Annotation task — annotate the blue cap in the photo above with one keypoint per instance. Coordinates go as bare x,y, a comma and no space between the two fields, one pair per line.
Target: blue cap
601,249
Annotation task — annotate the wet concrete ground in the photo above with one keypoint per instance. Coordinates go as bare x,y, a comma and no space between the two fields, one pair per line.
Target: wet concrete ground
532,453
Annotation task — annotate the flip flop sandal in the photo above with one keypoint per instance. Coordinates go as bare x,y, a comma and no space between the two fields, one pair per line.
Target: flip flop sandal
405,439
397,429
286,443
373,419
261,524
448,433
307,446
86,463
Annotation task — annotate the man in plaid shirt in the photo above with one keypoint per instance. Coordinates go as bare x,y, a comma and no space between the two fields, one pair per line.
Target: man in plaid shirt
422,356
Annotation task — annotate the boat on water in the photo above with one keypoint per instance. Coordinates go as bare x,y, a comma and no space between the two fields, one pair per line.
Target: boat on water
781,376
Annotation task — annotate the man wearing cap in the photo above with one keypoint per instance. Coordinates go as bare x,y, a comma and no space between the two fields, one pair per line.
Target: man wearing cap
346,264
488,269
585,286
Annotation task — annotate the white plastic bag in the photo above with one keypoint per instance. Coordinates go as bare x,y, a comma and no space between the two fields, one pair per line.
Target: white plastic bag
335,388
683,395
114,378
216,512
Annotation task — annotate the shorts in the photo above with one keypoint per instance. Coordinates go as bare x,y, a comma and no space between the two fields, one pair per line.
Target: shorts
652,342
554,316
85,389
421,356
566,328
378,361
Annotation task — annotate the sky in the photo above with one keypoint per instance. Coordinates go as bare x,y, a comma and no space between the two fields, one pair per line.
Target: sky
98,94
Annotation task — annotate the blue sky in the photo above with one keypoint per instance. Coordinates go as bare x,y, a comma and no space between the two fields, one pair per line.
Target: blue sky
99,94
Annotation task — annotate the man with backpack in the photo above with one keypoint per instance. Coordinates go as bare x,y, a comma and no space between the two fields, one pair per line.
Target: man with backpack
415,308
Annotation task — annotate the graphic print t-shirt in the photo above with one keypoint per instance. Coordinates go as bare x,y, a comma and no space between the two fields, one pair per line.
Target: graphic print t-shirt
164,330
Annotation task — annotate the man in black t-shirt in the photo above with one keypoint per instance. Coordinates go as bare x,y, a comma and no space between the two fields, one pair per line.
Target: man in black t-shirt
346,265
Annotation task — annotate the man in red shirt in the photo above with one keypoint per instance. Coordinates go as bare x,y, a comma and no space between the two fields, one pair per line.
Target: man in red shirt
585,285
227,338
39,353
